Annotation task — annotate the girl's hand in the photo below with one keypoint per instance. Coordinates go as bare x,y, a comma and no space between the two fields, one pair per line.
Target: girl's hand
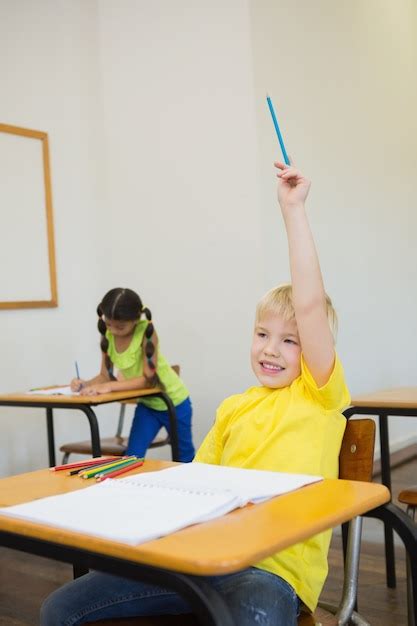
96,390
293,188
77,384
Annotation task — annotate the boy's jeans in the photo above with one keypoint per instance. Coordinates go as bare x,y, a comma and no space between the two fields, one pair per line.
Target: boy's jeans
254,597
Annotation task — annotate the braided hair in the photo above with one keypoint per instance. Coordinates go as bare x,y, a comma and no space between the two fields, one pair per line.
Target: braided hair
125,305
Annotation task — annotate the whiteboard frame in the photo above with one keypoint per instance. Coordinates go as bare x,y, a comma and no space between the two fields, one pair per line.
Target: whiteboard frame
53,302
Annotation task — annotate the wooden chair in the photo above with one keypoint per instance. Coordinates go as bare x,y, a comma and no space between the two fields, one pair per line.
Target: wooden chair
409,497
112,446
355,463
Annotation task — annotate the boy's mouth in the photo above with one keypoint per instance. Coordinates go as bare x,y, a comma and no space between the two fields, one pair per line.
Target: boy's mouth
271,368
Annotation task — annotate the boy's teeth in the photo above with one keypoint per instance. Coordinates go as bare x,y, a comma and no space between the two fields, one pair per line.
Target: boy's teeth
268,366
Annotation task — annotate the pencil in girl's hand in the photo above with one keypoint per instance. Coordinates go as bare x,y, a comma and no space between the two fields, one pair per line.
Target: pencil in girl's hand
277,130
95,461
120,471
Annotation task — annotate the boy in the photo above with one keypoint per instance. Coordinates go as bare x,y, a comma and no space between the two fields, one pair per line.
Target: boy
291,423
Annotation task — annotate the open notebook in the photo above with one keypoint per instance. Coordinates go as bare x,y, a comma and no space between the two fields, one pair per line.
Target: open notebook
150,505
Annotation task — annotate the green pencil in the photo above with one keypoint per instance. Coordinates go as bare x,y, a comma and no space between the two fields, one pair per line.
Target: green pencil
110,470
113,465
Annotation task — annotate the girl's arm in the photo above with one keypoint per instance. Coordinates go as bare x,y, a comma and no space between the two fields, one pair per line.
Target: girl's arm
115,385
103,383
317,343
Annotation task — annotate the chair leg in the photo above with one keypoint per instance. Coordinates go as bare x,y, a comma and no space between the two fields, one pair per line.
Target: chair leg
345,612
350,583
121,420
410,599
65,458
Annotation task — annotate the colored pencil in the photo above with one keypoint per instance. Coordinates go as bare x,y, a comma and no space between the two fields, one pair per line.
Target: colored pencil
120,471
277,130
102,472
93,471
78,470
59,468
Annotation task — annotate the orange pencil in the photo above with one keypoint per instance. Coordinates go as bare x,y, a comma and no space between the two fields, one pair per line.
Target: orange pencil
95,461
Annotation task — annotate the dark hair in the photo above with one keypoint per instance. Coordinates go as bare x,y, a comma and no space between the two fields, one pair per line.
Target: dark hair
125,305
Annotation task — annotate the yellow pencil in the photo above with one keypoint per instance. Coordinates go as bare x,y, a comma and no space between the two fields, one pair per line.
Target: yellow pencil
90,473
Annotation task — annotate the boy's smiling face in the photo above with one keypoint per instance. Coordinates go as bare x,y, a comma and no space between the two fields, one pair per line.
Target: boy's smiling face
276,351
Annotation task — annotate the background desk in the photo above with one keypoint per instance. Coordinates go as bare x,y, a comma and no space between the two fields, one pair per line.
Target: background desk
84,404
227,544
401,401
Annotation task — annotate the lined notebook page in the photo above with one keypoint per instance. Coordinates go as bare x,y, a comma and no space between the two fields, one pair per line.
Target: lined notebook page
250,485
147,506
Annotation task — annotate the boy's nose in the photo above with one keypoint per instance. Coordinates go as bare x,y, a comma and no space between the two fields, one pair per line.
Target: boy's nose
271,351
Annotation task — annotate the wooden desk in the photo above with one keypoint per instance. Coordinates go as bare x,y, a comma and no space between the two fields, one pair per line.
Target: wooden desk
85,404
400,401
221,546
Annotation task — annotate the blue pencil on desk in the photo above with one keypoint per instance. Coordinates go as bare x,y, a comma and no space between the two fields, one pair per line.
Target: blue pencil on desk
277,130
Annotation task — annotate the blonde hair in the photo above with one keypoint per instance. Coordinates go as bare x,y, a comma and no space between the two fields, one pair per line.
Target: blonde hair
279,301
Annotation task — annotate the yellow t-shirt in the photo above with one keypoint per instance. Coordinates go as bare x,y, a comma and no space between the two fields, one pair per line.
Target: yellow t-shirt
296,429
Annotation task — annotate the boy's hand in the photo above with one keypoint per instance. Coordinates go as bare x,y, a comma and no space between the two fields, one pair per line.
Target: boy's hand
293,188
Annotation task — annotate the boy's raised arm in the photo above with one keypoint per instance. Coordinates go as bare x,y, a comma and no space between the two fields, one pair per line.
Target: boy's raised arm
309,299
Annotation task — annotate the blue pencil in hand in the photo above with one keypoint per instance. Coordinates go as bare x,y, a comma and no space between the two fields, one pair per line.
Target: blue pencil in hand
277,130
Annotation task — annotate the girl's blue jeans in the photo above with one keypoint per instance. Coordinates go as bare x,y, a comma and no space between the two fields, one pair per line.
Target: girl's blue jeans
147,423
253,596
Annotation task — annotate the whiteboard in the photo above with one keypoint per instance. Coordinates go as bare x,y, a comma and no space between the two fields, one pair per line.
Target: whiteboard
27,255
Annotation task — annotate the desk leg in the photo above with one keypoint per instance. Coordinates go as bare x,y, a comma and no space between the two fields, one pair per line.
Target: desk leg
173,435
205,602
79,570
51,437
394,517
386,480
95,435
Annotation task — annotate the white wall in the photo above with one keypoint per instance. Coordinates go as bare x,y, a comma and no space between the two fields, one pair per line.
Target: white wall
342,76
181,181
161,153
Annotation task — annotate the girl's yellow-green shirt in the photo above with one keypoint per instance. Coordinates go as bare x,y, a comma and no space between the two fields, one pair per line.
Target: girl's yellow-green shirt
296,429
130,364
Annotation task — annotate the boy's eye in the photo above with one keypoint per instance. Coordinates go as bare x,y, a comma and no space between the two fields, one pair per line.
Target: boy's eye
290,341
261,335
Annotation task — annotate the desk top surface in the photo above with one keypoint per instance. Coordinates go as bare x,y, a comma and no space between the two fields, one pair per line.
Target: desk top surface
22,398
398,397
220,546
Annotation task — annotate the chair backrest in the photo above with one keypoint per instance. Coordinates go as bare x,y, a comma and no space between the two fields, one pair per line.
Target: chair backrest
356,457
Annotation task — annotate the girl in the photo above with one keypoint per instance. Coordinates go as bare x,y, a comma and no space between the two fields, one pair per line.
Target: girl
129,344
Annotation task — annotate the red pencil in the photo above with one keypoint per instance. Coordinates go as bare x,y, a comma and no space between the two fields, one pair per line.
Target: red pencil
95,461
120,471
